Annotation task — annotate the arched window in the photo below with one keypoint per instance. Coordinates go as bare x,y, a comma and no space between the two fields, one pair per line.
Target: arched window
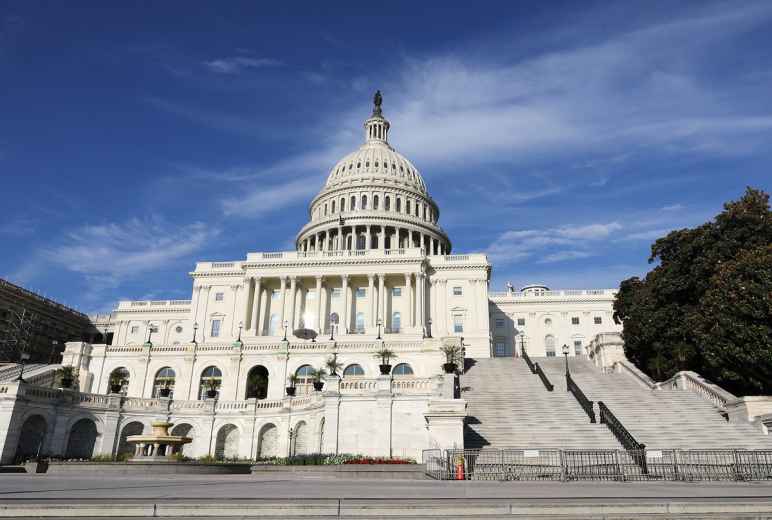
396,322
257,383
353,204
353,370
360,323
549,345
416,209
211,380
407,206
387,203
403,369
325,209
399,204
375,201
364,201
273,325
119,376
342,205
305,375
424,212
164,379
361,241
333,207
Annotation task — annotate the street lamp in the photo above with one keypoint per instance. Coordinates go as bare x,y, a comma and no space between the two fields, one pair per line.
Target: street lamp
286,324
24,358
149,334
195,328
429,328
565,353
379,322
522,343
241,326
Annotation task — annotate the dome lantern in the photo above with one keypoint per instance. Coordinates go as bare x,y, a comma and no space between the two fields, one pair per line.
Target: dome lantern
377,127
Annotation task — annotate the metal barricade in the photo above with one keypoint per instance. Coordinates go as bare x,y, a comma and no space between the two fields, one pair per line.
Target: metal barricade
754,465
660,464
535,464
707,464
591,465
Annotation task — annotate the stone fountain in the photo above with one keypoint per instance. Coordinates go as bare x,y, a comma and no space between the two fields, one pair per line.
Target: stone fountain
159,446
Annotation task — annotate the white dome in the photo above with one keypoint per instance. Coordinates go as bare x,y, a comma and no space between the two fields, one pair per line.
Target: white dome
376,160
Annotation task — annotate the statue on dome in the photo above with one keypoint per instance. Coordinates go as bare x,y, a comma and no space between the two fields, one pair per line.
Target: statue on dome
377,100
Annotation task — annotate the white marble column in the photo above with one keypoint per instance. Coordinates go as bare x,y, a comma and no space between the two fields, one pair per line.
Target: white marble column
382,298
420,282
371,300
369,239
340,238
409,291
319,318
382,238
293,300
263,304
255,325
282,299
344,319
234,316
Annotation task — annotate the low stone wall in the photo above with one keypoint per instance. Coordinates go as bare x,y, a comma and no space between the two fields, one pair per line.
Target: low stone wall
352,471
145,468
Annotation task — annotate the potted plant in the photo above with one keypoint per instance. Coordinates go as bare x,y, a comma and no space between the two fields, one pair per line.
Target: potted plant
293,380
333,365
116,384
317,375
453,356
385,355
66,376
211,385
165,391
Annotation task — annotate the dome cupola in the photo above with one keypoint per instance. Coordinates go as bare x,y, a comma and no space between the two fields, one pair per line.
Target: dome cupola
374,198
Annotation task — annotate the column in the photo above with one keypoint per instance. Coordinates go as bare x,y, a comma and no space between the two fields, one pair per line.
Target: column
420,282
409,291
369,238
319,319
206,307
340,238
382,238
256,306
382,298
259,320
234,317
371,308
344,319
282,297
293,299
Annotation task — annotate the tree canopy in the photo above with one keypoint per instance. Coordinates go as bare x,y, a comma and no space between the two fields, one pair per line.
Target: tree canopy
707,305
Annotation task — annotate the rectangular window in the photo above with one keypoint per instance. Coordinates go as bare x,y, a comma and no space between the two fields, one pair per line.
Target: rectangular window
396,291
597,320
361,292
501,349
521,322
215,329
275,294
458,291
218,297
458,324
578,350
499,323
550,353
134,329
575,320
337,292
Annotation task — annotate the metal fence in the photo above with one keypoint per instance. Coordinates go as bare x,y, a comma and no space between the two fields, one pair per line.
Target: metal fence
621,465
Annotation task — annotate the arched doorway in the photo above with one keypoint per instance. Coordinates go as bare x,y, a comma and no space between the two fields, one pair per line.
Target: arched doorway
119,377
82,440
32,437
305,382
132,428
211,379
185,430
268,442
257,383
164,383
227,445
301,443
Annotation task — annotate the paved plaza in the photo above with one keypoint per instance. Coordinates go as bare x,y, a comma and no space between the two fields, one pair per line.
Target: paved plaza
249,496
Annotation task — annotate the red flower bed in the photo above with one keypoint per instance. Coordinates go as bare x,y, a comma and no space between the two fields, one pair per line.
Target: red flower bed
379,460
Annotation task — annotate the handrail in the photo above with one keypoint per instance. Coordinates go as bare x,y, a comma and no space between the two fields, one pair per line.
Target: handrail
528,361
637,450
696,383
544,379
635,372
580,397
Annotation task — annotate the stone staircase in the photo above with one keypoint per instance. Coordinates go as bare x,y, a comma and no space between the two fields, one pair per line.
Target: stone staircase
509,407
33,372
663,418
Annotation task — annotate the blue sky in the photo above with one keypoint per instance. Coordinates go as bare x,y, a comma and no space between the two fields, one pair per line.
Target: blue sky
561,138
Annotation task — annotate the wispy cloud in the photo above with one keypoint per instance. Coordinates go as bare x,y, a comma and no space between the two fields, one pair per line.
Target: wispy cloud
237,64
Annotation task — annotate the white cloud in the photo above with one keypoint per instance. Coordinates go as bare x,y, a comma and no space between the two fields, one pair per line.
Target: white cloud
236,64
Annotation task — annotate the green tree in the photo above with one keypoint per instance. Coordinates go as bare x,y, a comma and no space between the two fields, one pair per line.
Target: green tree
670,317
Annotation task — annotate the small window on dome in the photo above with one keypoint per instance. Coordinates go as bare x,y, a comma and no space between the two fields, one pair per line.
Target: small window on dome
333,206
387,203
407,207
367,164
401,169
364,201
375,201
376,164
343,204
393,166
359,165
399,204
353,205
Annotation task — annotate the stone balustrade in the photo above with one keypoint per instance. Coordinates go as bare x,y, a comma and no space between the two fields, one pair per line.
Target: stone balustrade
583,293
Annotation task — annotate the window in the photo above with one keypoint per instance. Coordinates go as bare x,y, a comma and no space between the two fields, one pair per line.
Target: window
211,380
353,204
360,323
578,350
407,206
548,322
361,292
353,370
375,202
305,379
500,349
458,291
134,329
549,345
387,203
361,242
343,204
399,204
499,323
364,201
396,291
215,328
396,322
121,377
333,207
164,379
218,297
521,322
458,324
336,292
403,369
597,320
275,294
575,320
178,329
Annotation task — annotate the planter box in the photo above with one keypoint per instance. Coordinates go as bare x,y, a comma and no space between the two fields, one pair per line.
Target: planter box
349,471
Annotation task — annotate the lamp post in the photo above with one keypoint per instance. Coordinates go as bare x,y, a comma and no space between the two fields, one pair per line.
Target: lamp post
195,328
24,356
522,343
429,328
149,333
379,322
565,353
332,331
241,326
286,324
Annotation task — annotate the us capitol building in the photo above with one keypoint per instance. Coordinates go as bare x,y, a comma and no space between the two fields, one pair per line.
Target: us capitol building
372,268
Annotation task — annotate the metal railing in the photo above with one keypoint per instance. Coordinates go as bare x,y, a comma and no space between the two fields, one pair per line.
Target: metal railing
625,438
528,361
585,403
592,464
544,379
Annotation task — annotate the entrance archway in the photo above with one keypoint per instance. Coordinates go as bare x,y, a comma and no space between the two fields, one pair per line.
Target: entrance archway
82,440
132,428
257,383
32,437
